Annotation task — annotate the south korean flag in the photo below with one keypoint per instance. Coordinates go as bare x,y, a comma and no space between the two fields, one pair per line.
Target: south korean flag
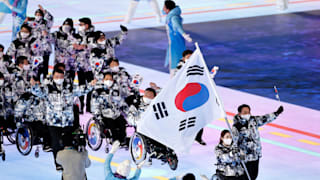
187,104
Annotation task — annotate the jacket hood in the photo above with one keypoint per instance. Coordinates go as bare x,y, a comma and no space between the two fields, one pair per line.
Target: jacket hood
174,12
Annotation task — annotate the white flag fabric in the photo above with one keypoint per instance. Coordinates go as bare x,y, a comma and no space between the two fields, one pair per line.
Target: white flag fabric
188,103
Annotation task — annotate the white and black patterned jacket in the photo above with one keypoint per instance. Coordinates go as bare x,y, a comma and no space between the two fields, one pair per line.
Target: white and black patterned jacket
38,27
108,49
63,49
82,56
59,101
108,102
6,66
122,77
30,108
20,81
228,161
247,136
21,47
6,100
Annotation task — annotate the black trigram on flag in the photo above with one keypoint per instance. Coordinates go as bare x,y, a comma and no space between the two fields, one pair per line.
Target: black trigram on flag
160,110
195,70
187,123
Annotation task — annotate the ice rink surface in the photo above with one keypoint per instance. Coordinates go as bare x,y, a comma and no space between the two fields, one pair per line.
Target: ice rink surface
291,144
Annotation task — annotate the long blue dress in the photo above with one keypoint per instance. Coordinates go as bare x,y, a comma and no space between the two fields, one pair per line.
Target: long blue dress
176,40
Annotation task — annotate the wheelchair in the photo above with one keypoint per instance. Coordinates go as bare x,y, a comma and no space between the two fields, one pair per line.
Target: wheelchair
142,146
29,135
9,131
97,131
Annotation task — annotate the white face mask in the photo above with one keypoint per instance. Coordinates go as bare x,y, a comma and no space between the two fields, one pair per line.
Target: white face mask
66,28
108,83
146,100
38,18
24,35
1,82
26,67
227,141
115,69
58,81
246,117
81,28
102,42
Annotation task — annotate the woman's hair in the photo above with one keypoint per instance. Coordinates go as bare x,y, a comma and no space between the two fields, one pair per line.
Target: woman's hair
112,59
108,74
27,27
224,132
170,4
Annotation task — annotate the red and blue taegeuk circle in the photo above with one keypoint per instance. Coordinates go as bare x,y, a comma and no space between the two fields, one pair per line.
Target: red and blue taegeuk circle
192,96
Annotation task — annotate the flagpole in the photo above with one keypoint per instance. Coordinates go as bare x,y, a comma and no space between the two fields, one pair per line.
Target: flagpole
225,115
242,162
197,45
277,93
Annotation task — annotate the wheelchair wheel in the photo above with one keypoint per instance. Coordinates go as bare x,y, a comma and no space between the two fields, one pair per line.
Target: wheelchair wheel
93,135
138,148
24,140
11,136
216,177
173,161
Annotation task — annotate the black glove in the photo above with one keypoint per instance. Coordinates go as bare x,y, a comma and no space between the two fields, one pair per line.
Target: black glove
279,111
123,28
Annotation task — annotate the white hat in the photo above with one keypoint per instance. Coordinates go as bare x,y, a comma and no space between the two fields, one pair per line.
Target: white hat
124,168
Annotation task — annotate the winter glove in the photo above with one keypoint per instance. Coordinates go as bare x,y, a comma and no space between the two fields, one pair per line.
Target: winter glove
279,111
115,147
187,37
123,29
